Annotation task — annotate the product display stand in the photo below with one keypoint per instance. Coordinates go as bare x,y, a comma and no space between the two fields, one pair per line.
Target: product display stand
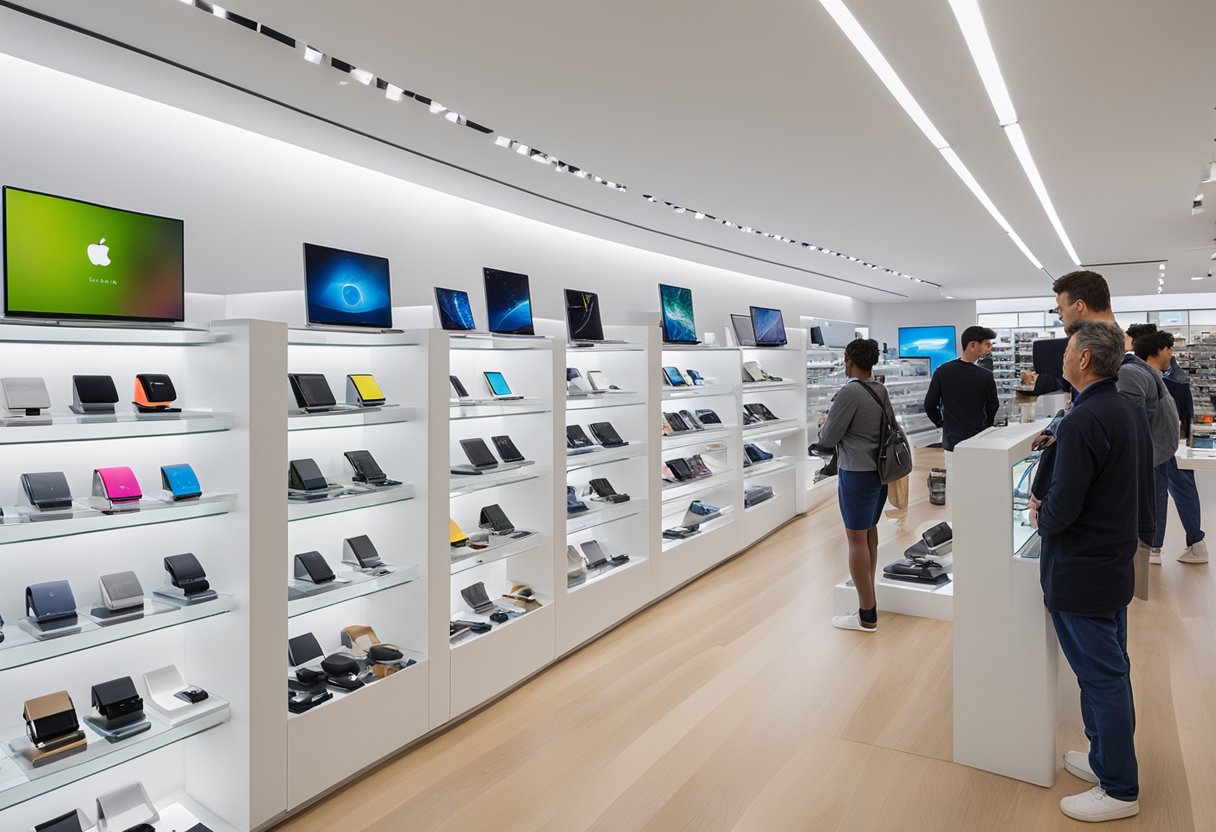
1014,695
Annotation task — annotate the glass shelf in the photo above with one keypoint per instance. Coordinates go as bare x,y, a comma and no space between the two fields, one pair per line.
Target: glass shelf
770,466
341,695
20,647
597,401
756,386
719,522
573,349
349,498
600,573
470,483
469,615
610,513
756,505
684,490
464,558
388,414
66,332
315,597
692,392
319,336
602,456
73,427
689,438
22,782
484,408
489,341
770,430
21,523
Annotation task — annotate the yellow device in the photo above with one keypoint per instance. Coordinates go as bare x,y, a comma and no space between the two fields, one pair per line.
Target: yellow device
362,390
456,535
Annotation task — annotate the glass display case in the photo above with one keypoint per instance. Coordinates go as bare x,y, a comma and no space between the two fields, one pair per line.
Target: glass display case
1025,538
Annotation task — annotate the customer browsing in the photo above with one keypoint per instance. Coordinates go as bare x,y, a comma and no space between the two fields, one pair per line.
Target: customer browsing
962,398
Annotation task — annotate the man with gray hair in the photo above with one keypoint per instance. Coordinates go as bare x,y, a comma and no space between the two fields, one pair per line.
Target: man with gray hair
1092,478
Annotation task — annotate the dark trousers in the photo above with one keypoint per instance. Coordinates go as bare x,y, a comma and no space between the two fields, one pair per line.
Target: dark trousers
1096,648
1172,481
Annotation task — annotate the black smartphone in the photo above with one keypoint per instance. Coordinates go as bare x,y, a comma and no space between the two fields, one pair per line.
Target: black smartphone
506,449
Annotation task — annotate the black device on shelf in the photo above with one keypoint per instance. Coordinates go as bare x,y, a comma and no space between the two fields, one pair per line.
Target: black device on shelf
186,573
756,494
303,649
604,491
677,422
93,394
506,449
680,469
673,377
606,434
305,475
494,519
755,453
458,388
311,567
50,601
154,393
68,822
480,457
477,598
117,701
312,392
761,411
48,490
508,302
768,325
583,322
577,438
455,313
708,417
360,552
367,470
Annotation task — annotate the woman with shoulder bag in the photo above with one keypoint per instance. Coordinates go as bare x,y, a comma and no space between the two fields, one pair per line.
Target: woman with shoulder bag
854,425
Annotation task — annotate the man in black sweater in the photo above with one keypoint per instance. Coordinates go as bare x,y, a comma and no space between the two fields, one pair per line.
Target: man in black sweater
962,398
1086,511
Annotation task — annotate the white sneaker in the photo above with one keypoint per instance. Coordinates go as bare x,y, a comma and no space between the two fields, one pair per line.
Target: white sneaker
1095,806
1195,553
852,621
1076,763
1154,555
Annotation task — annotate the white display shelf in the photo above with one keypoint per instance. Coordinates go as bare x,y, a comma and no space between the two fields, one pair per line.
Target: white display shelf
360,585
750,387
690,438
485,408
352,498
72,427
320,336
20,648
770,430
484,666
683,490
769,466
471,483
20,523
99,756
389,414
354,696
184,814
708,527
610,513
669,347
597,401
693,391
603,456
489,341
903,597
66,332
464,559
601,574
573,349
546,607
1195,459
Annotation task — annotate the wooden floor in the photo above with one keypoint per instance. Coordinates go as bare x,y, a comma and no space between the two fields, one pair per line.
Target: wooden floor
734,705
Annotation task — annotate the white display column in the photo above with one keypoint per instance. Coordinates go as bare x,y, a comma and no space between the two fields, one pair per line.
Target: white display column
1014,697
591,602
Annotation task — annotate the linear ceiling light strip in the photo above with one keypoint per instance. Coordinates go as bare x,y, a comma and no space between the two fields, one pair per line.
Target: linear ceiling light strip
395,93
971,21
866,47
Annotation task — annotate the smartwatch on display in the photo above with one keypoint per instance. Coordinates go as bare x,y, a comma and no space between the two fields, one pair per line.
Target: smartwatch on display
361,553
187,574
117,701
305,475
47,491
180,481
25,396
116,489
121,591
311,567
367,470
362,390
50,601
93,394
154,393
311,391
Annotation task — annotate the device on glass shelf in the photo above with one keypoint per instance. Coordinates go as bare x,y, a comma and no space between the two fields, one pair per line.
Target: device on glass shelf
696,378
362,390
673,377
312,392
180,481
507,450
583,322
50,601
599,382
52,727
93,394
768,326
698,513
154,393
698,467
493,519
115,489
606,434
47,491
455,313
481,459
65,258
185,573
312,567
816,335
305,475
367,470
603,490
303,649
575,383
691,420
676,422
508,302
345,289
762,411
708,417
126,808
118,703
477,598
664,426
745,335
25,396
756,454
458,388
73,821
121,592
499,388
679,324
573,504
577,440
361,553
594,555
679,469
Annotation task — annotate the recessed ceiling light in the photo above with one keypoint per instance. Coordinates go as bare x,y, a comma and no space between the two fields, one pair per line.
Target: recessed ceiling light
363,76
1199,277
1161,266
313,56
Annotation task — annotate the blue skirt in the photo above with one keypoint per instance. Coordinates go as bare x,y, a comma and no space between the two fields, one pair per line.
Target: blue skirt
861,496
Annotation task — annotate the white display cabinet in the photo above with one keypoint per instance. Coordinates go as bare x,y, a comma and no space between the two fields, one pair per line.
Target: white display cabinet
394,518
211,760
720,447
1015,700
480,666
824,376
611,592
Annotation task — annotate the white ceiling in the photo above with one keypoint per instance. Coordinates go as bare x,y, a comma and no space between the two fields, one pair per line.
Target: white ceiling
765,114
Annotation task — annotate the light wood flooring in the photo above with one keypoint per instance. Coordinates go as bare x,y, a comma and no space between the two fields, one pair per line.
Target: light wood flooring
734,705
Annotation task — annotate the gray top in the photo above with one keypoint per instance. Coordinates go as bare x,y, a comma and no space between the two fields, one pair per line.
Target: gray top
853,426
1141,385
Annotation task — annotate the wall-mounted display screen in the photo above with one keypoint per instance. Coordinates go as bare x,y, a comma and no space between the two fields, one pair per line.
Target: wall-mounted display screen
583,316
679,325
64,258
937,343
455,313
508,303
769,327
344,288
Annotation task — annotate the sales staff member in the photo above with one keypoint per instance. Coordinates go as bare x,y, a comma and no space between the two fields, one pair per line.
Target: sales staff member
962,398
1087,516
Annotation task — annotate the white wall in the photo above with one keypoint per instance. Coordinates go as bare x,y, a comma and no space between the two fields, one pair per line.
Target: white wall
887,318
249,201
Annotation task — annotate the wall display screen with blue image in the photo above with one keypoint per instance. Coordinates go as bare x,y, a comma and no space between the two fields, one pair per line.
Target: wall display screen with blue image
508,303
343,288
679,325
937,343
454,310
769,327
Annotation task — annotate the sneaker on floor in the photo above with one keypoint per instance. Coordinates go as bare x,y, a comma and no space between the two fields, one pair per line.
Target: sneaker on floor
1195,553
1076,763
852,621
1154,555
1095,806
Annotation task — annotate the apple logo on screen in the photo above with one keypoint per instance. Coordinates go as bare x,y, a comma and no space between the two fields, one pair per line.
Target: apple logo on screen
99,253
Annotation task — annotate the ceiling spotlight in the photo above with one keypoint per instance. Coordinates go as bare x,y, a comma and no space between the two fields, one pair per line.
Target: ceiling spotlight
649,198
454,117
700,215
537,156
730,224
1161,266
522,149
581,174
678,209
1161,281
313,56
621,188
1208,176
393,93
949,297
362,76
502,141
436,108
1199,277
219,11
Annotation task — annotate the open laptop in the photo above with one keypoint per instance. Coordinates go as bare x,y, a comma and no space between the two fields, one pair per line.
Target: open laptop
583,322
679,325
348,291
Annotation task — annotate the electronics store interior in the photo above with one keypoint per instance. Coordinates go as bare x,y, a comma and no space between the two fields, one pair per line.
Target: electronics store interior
684,419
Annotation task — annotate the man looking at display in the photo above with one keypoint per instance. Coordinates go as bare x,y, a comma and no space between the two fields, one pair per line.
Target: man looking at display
962,398
1087,518
1157,350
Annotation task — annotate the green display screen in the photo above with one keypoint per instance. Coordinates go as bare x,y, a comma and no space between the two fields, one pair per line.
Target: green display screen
69,259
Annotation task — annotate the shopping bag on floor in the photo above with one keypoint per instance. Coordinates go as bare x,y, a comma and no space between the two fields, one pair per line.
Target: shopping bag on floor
897,493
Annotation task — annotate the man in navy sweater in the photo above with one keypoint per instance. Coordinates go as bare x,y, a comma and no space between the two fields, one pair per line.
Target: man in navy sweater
1087,516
